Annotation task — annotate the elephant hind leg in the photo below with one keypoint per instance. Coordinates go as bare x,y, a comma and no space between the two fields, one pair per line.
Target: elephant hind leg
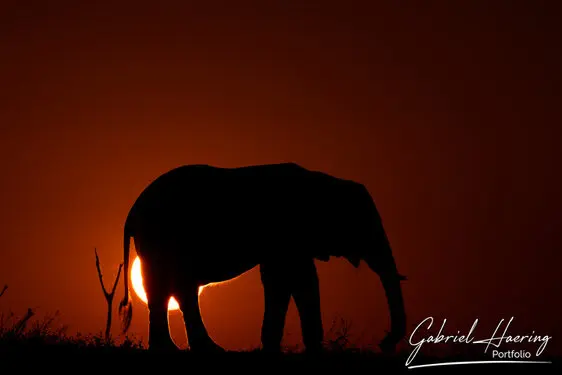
159,331
306,293
277,295
158,297
197,335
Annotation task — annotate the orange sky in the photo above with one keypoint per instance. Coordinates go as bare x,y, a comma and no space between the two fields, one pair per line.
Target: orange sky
450,117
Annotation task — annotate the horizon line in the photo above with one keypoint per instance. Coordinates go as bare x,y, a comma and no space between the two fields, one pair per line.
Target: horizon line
472,363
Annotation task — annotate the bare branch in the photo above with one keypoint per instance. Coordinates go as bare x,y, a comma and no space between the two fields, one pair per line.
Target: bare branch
116,280
3,290
100,274
108,296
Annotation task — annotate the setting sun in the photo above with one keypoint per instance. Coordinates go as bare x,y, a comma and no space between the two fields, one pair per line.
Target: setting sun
136,280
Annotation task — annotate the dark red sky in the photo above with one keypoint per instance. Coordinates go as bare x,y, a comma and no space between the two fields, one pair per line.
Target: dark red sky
450,115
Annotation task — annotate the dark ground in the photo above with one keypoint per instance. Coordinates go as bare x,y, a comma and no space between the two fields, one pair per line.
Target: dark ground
74,358
36,345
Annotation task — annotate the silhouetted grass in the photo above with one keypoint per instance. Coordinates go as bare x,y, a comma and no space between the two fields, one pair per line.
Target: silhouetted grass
25,339
24,333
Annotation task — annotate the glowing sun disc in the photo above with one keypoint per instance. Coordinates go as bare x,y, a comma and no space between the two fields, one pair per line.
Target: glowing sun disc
138,287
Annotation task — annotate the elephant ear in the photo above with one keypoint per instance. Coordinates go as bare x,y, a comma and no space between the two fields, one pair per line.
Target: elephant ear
322,257
353,259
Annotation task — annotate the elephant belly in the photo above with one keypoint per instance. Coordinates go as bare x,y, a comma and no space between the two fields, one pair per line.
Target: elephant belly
214,266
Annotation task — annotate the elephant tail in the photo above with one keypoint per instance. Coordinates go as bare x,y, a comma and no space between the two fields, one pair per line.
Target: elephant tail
126,307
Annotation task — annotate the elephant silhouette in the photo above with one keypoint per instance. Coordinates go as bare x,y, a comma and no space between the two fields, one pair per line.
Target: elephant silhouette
200,224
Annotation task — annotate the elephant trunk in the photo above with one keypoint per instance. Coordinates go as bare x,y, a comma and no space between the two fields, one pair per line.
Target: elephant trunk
384,265
367,240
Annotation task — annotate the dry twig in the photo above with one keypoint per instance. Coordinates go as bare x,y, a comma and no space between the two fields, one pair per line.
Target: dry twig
108,296
3,290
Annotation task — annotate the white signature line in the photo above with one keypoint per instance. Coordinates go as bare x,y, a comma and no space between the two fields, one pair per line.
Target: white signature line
472,363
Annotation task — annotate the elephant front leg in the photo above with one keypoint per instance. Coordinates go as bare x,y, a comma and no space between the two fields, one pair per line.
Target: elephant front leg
277,296
197,335
306,293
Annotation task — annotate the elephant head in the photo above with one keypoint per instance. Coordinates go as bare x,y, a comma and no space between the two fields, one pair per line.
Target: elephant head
362,237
